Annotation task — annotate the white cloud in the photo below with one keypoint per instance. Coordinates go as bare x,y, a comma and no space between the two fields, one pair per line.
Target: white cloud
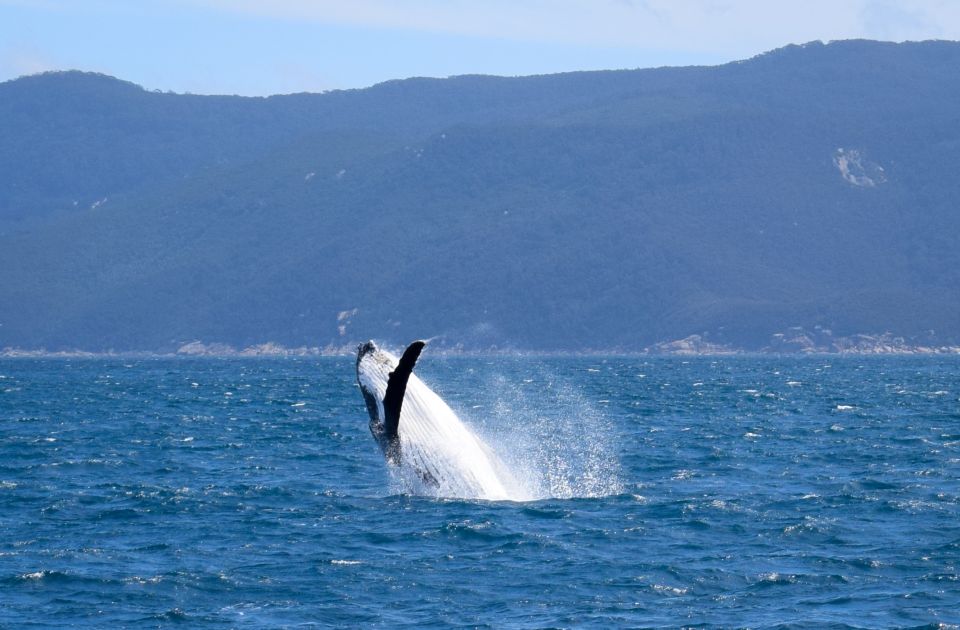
886,19
467,36
692,25
16,62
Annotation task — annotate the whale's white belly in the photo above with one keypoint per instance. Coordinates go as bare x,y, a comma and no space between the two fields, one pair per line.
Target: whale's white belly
435,445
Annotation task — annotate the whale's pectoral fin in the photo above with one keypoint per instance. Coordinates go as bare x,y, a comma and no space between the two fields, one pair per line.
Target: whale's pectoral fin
396,387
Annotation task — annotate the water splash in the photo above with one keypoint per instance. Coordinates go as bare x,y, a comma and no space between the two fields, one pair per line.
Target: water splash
527,439
553,441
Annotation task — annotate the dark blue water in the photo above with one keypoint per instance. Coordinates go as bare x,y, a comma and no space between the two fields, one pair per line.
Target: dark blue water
755,492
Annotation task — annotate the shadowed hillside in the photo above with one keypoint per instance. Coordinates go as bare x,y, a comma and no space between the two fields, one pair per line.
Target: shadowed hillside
812,186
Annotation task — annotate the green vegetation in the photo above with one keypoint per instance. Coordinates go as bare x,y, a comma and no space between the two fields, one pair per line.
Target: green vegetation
811,186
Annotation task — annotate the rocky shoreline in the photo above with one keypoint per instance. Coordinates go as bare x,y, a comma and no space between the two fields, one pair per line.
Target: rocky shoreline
795,341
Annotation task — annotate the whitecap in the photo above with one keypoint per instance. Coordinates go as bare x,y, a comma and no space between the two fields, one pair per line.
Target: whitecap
38,575
670,590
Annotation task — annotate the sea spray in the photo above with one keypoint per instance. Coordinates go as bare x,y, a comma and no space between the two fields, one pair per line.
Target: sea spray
527,438
553,440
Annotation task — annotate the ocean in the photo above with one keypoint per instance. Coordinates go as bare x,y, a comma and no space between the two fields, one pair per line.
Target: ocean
759,492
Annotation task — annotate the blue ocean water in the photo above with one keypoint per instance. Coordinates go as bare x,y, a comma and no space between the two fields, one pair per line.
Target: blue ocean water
710,492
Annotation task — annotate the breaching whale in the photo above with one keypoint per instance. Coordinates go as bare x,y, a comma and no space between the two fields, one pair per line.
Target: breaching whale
421,436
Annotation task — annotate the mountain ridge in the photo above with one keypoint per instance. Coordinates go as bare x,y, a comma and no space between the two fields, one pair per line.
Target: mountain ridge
608,209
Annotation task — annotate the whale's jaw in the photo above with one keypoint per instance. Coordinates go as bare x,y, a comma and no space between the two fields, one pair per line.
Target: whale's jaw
373,367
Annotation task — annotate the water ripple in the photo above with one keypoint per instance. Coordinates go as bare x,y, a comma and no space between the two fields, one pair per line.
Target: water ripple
707,492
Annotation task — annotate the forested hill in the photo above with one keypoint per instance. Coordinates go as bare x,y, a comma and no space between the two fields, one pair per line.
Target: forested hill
813,186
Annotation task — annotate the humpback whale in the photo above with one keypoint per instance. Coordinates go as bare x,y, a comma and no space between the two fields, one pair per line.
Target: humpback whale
420,436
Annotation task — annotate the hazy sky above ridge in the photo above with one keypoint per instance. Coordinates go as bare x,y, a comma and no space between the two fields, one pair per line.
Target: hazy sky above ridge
278,46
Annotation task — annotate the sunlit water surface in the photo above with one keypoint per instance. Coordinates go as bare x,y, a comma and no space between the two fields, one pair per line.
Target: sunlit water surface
713,492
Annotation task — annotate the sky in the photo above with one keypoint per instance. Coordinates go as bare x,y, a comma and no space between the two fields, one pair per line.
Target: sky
261,47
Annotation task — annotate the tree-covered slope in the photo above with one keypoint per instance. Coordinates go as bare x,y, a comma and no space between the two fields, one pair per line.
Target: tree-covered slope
811,186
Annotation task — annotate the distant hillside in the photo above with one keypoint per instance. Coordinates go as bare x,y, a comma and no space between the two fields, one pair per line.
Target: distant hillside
813,186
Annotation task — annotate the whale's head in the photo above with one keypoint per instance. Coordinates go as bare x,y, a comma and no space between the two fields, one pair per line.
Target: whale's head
373,372
364,349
